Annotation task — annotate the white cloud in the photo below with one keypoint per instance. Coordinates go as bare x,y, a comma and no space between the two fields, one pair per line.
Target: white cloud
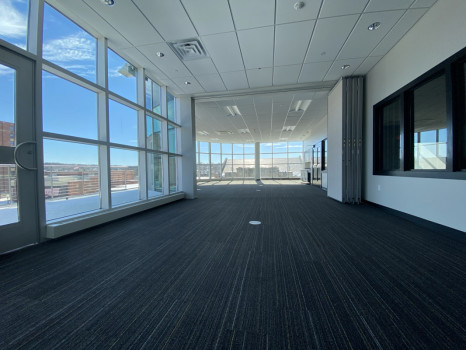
6,70
13,24
75,47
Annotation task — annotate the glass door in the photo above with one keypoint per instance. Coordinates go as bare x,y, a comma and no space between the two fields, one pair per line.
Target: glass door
18,187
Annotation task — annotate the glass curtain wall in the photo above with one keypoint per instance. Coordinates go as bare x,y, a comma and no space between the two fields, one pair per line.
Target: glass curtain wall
104,146
237,161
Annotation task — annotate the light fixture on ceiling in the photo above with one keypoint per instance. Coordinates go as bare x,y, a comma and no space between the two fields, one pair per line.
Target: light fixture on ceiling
203,133
243,131
301,105
159,54
187,83
345,66
374,26
288,128
224,132
108,2
127,70
299,5
232,111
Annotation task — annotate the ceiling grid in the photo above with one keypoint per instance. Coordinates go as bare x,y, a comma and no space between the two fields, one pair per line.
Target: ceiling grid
268,45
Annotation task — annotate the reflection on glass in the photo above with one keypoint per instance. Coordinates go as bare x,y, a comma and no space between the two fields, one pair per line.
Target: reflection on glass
123,124
154,175
430,125
171,138
172,173
153,96
74,113
8,188
391,139
121,76
170,107
124,176
153,133
71,178
68,45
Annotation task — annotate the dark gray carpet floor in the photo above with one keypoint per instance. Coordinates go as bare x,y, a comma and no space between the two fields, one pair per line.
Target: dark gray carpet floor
195,274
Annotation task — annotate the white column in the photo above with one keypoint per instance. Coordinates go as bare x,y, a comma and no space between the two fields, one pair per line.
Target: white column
187,171
257,163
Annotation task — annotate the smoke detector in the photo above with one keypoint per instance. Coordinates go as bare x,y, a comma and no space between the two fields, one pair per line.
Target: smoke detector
299,5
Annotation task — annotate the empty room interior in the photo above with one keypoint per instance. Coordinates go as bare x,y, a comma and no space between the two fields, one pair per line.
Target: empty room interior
232,174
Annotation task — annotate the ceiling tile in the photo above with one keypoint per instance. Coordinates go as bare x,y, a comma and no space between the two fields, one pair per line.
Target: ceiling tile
257,47
331,8
362,41
224,51
193,88
314,72
252,14
291,42
259,77
123,18
201,67
423,3
211,82
286,12
235,80
285,75
169,64
209,16
402,27
384,5
176,26
336,72
141,60
329,36
367,65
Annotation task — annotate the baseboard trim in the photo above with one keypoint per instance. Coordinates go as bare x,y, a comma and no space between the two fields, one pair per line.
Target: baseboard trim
433,226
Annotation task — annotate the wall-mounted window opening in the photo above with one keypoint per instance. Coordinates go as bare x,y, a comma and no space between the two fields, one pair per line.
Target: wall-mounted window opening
420,130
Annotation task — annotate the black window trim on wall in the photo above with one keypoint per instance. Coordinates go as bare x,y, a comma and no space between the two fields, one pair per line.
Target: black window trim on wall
453,69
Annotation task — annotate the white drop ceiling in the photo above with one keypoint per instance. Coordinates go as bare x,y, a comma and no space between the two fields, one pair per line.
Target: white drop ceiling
254,47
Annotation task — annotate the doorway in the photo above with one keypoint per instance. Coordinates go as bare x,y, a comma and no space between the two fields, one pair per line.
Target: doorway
18,164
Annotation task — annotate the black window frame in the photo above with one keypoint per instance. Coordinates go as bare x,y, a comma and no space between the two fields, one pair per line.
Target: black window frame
453,69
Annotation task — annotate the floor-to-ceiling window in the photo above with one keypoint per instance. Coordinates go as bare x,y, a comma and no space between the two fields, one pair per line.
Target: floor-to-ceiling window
237,161
110,136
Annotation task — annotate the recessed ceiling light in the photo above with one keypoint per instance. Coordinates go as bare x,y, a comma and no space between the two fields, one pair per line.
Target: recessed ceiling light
187,83
346,66
109,2
374,26
232,111
160,54
301,105
299,5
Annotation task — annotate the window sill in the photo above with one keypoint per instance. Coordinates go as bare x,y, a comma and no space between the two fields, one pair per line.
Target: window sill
59,228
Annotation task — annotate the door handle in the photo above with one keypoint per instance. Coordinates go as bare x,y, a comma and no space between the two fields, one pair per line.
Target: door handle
18,163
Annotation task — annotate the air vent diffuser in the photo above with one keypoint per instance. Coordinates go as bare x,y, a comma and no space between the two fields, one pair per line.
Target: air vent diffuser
188,50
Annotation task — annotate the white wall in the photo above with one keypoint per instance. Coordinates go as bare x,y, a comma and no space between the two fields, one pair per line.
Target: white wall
438,35
335,143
